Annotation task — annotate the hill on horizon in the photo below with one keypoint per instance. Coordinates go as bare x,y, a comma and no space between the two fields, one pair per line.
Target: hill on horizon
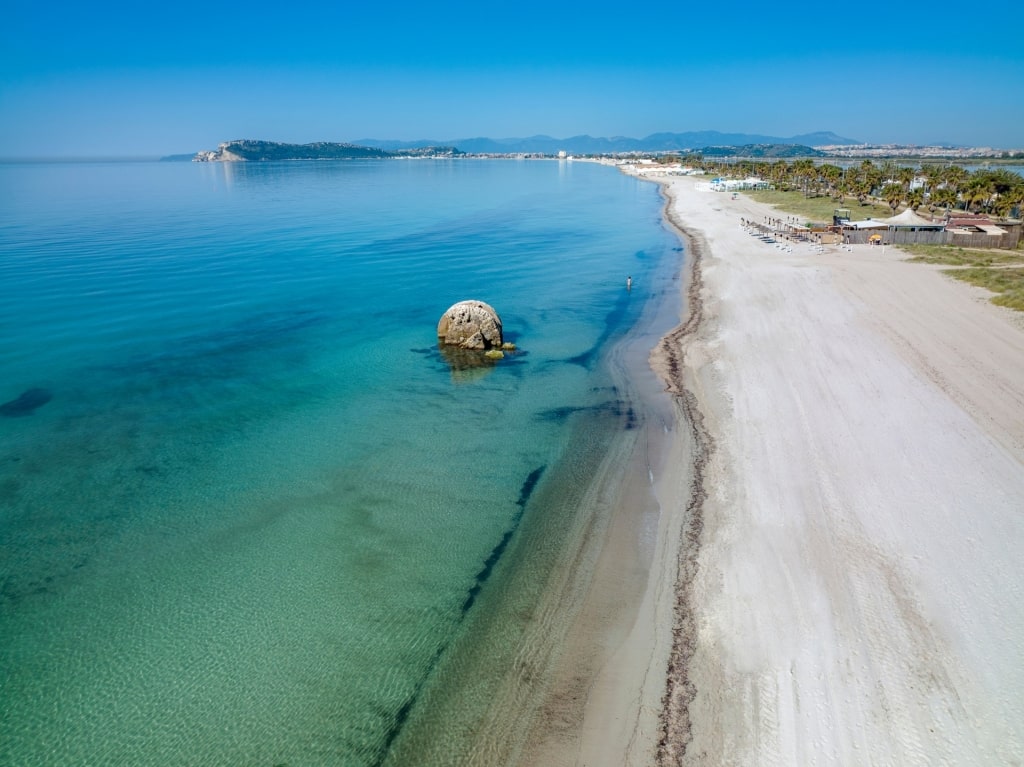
585,144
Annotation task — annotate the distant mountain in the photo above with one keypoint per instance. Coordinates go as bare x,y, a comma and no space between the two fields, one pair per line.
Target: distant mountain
656,142
823,138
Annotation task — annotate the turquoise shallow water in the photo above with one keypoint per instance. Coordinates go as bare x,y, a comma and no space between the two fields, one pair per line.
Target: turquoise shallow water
248,507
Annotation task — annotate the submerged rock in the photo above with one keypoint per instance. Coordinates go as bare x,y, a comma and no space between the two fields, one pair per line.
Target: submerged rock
466,365
26,403
470,325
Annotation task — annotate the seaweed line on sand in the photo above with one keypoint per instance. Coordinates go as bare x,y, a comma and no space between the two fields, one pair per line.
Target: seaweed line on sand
674,721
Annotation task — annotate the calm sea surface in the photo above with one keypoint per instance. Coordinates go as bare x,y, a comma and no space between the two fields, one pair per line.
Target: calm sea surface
248,511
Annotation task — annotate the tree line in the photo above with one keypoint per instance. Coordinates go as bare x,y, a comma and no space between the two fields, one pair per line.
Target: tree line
998,192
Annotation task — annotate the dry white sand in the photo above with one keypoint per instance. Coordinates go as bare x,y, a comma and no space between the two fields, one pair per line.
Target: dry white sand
857,597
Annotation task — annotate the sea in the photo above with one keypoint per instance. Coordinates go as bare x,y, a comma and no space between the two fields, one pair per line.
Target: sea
250,512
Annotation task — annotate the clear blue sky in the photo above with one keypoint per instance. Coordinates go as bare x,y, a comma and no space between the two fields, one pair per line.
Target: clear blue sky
119,78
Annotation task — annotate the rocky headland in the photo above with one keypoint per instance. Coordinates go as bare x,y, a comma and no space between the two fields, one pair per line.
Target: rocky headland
248,150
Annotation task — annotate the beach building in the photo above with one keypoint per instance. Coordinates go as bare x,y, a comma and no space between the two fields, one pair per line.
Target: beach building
906,228
974,225
738,185
910,228
982,232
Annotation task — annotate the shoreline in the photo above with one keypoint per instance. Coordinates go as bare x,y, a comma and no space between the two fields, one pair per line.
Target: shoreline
617,652
602,703
658,732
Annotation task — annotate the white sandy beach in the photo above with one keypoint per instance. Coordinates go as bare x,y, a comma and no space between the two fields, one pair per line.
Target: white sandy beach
856,595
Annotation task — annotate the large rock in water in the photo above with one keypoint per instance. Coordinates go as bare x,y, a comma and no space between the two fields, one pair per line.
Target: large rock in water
470,325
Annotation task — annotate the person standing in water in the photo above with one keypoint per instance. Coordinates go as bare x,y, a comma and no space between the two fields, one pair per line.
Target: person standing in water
629,283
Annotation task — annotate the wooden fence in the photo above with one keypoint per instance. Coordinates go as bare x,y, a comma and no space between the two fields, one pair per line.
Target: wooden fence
1006,241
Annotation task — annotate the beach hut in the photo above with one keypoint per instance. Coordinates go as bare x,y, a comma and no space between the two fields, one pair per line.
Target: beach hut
908,219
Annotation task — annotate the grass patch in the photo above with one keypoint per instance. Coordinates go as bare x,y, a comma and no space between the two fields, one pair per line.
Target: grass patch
817,209
954,256
1008,283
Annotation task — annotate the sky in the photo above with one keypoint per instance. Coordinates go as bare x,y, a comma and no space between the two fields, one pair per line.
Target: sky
109,79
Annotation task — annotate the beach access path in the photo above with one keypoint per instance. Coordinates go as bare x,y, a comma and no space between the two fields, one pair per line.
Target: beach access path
858,591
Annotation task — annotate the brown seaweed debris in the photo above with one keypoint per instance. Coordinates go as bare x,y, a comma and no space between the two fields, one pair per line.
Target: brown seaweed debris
674,721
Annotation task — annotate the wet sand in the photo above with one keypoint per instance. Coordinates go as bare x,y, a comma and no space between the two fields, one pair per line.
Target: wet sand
608,690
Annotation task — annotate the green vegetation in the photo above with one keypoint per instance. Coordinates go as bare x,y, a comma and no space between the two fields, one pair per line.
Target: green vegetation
1008,283
762,150
954,256
815,208
939,188
264,151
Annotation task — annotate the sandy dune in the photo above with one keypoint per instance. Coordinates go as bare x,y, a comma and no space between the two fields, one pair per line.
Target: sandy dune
858,589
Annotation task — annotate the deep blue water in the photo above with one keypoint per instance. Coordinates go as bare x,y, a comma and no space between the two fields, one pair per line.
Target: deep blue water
245,503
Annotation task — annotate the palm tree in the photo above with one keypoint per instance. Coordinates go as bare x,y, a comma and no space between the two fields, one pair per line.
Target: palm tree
871,175
830,174
905,174
1016,199
915,197
943,197
933,175
953,176
1002,183
861,188
978,191
892,193
841,190
1003,204
805,173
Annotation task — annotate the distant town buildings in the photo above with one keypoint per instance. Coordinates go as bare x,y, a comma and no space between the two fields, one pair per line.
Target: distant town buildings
903,150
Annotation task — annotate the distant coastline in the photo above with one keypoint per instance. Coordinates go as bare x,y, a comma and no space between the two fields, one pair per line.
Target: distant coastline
819,146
